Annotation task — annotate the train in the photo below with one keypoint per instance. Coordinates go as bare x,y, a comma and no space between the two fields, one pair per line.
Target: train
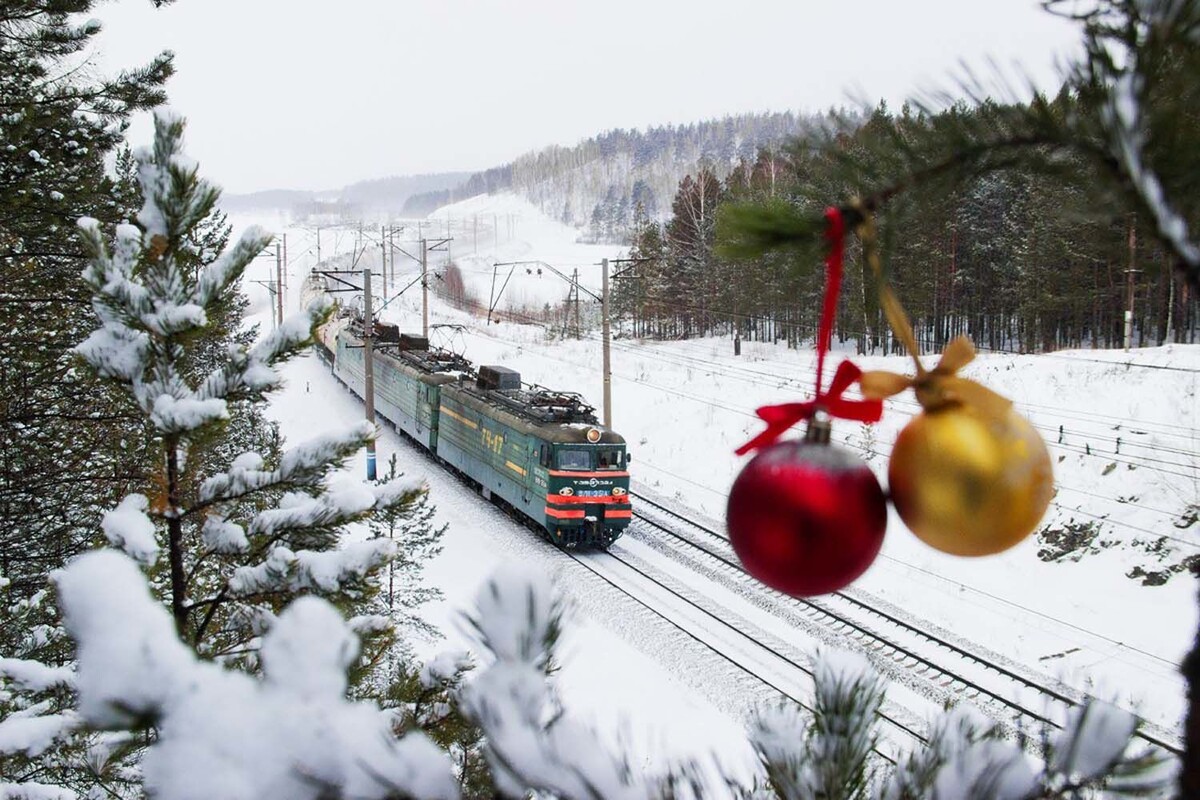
540,452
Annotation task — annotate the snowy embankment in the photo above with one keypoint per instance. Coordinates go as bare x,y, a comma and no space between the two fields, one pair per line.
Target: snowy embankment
1125,467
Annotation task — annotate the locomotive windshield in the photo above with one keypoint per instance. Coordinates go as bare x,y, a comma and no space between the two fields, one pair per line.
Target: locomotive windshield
574,459
610,459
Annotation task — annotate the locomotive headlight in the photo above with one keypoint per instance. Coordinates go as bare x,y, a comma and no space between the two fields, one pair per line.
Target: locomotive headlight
618,491
566,491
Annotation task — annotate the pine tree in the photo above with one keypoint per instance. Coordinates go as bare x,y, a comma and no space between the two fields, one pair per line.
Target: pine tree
690,238
57,126
242,538
66,442
401,592
231,559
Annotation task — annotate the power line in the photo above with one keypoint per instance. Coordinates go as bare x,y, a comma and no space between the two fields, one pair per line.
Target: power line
746,413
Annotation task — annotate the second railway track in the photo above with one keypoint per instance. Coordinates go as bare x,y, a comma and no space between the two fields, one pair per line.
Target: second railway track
925,660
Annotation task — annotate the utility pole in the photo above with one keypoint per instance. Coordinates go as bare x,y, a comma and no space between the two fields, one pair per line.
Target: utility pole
424,289
1170,305
392,250
285,262
278,283
368,367
318,246
575,284
605,305
1131,272
605,335
383,260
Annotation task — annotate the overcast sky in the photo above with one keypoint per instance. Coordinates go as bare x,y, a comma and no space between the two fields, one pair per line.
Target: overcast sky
315,94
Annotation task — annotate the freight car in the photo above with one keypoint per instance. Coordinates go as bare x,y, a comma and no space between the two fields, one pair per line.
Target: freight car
541,452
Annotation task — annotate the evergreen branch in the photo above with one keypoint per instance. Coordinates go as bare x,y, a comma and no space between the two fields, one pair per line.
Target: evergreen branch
248,373
301,466
213,605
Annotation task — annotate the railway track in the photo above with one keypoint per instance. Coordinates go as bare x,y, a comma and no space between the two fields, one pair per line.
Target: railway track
907,655
927,661
777,664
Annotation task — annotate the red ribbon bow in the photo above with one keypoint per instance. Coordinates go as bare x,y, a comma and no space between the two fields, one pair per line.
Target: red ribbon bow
781,417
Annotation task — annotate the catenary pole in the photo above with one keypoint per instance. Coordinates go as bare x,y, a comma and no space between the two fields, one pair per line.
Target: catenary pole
424,290
285,263
575,286
368,367
383,260
278,283
606,338
1130,272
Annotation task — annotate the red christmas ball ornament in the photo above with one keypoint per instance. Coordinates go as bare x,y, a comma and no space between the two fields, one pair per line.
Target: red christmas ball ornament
805,517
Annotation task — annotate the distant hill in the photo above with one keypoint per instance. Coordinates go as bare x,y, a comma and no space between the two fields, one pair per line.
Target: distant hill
270,199
597,184
391,194
378,195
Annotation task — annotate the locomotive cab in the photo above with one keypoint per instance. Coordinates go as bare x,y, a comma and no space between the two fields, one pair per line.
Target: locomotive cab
587,495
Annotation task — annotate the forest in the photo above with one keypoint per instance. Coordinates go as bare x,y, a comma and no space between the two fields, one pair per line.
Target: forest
1014,258
597,184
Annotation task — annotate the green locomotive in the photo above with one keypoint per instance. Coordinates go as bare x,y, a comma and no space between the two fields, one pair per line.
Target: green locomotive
542,452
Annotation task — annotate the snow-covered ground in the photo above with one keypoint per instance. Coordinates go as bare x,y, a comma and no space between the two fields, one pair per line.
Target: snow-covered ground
685,406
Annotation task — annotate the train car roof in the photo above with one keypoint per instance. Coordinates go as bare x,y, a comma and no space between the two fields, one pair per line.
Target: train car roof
414,370
556,432
464,390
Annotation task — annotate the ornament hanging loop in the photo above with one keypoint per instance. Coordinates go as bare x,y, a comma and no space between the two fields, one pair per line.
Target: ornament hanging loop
867,233
826,403
934,388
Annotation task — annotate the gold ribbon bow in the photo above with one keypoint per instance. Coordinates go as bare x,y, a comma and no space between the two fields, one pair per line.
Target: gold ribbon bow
940,386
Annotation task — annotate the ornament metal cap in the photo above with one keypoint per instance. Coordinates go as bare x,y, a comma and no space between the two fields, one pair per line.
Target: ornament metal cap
819,428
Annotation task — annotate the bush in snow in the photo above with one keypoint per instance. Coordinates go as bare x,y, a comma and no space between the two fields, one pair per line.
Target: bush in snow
293,733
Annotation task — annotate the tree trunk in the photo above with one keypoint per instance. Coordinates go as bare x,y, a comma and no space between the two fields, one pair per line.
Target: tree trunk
1189,774
175,538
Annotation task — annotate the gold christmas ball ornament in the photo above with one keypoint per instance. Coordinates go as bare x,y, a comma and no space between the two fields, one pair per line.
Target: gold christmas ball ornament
970,480
969,475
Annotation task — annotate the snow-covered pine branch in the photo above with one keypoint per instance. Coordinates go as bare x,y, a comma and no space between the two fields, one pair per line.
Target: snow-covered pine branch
175,199
32,732
34,676
825,754
248,371
225,734
958,729
309,571
307,463
115,350
533,745
128,528
216,279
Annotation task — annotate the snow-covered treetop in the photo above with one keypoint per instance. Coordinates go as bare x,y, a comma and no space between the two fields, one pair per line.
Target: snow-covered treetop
148,302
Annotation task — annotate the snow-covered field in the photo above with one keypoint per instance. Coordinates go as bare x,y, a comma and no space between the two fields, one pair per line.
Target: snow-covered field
1121,428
